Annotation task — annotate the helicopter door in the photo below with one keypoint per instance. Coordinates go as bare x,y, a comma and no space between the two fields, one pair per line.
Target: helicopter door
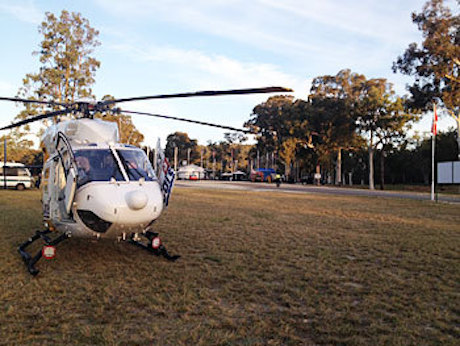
69,166
69,190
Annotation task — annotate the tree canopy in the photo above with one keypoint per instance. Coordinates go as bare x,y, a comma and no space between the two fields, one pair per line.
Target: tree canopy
333,99
184,144
435,63
281,126
67,70
18,149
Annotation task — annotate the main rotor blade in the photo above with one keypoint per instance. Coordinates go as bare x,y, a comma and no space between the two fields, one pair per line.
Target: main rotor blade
188,120
204,93
36,118
15,99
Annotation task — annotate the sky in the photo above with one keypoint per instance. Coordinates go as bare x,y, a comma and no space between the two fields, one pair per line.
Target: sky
157,47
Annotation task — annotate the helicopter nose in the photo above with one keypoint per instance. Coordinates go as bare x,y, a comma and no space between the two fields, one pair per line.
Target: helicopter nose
136,199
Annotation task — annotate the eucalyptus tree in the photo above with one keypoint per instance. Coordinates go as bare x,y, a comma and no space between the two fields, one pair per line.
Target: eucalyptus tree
435,63
281,127
381,118
67,70
185,145
333,99
334,130
239,153
18,147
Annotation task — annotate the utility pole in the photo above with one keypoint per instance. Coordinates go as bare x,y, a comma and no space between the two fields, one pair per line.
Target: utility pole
434,132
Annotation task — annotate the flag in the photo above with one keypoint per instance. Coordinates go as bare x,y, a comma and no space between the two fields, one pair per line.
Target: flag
434,126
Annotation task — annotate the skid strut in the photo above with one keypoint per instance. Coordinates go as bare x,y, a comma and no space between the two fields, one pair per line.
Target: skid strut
28,259
154,244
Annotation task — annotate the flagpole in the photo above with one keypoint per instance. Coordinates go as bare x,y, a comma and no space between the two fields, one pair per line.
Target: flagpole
434,131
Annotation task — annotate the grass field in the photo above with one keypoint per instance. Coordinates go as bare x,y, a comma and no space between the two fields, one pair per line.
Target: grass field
256,268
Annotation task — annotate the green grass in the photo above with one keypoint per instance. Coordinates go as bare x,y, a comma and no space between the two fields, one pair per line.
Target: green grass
256,268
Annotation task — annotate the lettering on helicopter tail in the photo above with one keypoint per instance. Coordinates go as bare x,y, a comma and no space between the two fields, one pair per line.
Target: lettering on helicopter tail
168,182
165,174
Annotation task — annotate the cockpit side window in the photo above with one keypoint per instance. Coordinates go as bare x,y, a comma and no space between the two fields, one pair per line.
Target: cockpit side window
136,164
96,165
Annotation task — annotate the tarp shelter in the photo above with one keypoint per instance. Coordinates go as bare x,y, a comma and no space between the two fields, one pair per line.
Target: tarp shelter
191,172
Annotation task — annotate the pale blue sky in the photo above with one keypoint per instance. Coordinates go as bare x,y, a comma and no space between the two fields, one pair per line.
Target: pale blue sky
155,47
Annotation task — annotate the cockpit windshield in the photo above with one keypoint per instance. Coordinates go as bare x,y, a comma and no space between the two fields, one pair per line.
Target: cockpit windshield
96,165
102,165
136,164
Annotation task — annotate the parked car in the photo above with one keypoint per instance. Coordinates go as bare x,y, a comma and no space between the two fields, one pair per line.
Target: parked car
17,176
235,176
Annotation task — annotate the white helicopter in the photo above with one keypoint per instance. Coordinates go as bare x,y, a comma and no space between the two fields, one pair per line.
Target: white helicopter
95,187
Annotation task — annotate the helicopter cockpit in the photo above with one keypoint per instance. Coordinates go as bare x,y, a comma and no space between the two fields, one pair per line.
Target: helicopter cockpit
120,163
136,164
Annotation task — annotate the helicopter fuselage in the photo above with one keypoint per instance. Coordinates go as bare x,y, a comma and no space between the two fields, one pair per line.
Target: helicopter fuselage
95,187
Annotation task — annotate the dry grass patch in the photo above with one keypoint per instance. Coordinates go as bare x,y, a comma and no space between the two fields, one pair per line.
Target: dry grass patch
257,268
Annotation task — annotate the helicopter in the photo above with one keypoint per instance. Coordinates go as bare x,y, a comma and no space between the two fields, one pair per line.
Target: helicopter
95,187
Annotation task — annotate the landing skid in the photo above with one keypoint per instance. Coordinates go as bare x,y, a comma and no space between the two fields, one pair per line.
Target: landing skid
159,250
28,259
153,245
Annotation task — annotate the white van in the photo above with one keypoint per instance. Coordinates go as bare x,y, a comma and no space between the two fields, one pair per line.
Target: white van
17,176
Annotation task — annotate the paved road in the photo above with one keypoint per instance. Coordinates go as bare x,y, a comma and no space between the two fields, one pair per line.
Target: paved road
297,188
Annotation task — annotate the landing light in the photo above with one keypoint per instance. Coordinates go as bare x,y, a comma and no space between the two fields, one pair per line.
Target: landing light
156,243
48,251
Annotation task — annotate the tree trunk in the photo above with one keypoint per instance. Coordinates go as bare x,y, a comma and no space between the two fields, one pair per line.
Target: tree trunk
382,170
371,168
426,178
338,168
287,170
